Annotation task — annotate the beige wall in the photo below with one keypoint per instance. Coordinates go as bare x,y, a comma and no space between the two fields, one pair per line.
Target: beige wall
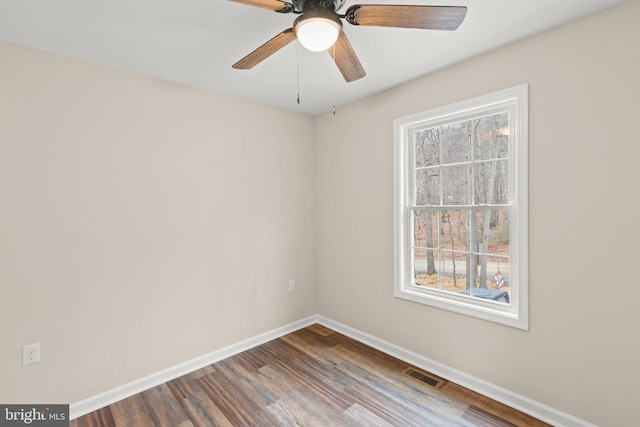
582,352
142,224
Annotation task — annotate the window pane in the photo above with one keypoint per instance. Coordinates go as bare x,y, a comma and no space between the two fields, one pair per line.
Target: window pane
427,187
427,147
491,180
440,270
425,229
456,185
456,145
425,269
489,278
491,137
482,272
491,272
453,232
491,232
498,236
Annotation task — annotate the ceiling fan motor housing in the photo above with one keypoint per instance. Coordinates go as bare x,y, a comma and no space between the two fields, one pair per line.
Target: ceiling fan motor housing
303,6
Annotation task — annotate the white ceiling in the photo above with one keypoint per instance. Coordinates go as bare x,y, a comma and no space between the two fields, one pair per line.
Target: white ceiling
195,42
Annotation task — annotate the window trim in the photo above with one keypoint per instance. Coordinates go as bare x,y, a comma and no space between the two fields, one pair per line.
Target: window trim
516,314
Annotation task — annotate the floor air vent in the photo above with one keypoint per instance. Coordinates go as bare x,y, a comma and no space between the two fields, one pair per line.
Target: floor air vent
425,377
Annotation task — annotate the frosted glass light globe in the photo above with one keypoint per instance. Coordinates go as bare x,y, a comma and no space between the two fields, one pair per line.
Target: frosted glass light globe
317,33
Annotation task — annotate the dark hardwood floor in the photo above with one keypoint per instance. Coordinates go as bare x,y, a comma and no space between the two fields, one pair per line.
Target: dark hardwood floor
312,377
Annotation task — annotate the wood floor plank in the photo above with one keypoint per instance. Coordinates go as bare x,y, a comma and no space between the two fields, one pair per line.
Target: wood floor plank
100,418
285,416
163,407
358,415
250,360
311,377
203,412
286,359
183,387
312,415
298,399
131,411
233,402
481,418
246,382
318,329
201,372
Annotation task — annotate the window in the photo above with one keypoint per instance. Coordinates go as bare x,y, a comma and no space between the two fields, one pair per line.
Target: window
460,201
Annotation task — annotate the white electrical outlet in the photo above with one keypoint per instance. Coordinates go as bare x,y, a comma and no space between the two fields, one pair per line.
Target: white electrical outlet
292,285
30,354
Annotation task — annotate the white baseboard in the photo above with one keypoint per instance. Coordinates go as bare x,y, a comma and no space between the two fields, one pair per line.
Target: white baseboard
522,403
528,406
101,400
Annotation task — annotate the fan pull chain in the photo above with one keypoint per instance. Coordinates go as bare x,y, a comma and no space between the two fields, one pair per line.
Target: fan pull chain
298,70
333,71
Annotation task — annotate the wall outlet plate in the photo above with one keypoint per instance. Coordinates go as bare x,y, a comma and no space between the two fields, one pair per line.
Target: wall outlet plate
30,354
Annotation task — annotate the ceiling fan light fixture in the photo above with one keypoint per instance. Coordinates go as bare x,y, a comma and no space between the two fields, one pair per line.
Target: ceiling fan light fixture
317,30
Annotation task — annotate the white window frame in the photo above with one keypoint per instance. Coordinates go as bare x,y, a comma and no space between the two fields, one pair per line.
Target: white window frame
515,314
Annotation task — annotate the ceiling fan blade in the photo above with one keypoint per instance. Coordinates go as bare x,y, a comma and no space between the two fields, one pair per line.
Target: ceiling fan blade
275,5
346,59
266,50
425,17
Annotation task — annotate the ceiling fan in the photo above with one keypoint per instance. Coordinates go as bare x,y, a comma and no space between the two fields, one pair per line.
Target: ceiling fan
319,27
